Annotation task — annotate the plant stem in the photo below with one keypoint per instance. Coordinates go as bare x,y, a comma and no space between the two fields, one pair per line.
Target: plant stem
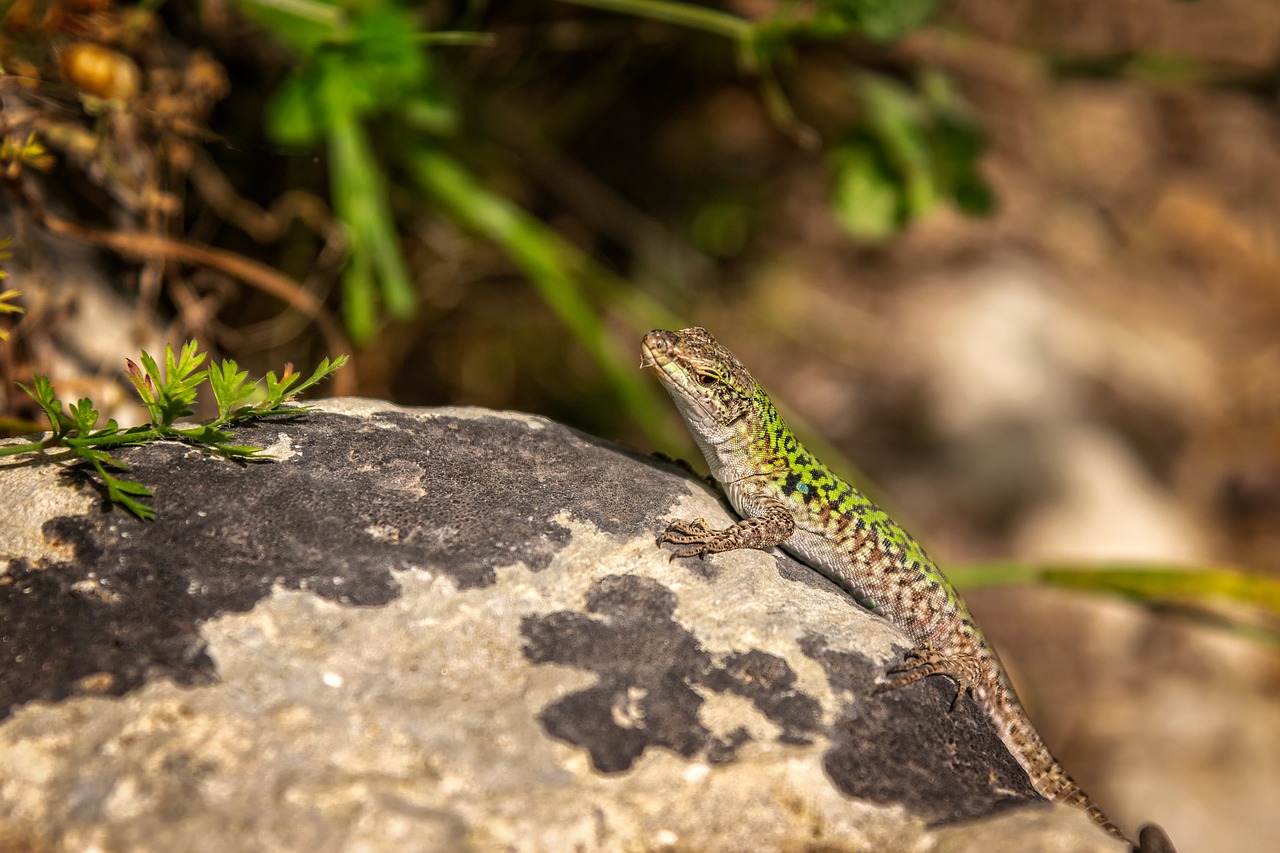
30,447
683,14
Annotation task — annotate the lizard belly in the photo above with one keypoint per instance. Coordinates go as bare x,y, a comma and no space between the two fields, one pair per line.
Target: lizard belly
820,553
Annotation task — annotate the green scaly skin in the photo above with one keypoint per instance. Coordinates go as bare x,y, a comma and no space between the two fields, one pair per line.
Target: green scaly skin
787,497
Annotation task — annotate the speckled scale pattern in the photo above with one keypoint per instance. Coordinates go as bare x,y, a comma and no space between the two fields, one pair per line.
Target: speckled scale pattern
838,531
876,560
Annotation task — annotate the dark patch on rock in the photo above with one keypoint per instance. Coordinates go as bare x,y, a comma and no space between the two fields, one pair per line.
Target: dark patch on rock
360,497
907,747
768,682
492,482
647,664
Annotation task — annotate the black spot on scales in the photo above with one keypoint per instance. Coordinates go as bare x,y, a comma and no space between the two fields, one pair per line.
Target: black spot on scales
794,483
462,496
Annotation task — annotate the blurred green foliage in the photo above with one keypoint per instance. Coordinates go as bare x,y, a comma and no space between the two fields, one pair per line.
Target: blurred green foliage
369,91
878,20
376,90
913,149
6,306
353,67
1192,591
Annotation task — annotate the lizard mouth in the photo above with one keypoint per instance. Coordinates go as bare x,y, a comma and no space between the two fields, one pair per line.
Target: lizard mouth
656,353
658,350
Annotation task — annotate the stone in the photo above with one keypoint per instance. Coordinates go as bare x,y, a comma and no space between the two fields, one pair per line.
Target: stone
451,629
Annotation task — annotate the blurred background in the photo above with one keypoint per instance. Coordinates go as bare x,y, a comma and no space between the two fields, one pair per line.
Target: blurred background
1018,261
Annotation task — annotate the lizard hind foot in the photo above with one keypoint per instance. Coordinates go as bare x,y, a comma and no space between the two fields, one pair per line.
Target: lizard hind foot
681,532
695,532
965,669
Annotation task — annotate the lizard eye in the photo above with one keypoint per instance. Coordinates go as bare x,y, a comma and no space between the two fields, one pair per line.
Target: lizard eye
706,380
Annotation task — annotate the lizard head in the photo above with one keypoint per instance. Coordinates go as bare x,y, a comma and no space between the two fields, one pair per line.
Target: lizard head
712,389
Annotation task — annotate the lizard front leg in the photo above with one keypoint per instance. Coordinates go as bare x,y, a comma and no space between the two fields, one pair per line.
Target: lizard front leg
772,527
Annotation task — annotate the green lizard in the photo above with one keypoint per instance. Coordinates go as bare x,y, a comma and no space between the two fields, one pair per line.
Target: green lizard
787,497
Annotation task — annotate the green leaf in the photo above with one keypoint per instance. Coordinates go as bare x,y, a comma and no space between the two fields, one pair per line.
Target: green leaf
44,395
360,297
372,61
149,386
386,58
144,386
896,119
430,114
242,451
203,434
293,118
176,387
123,492
229,386
878,20
910,150
304,25
360,200
152,369
282,390
180,376
85,415
324,370
557,269
99,457
129,487
375,64
190,359
865,194
957,144
278,388
1191,588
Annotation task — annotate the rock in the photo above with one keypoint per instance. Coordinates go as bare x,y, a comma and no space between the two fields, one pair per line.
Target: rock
450,629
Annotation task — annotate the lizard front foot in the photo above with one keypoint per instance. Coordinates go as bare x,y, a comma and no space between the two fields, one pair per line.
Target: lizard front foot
967,670
772,527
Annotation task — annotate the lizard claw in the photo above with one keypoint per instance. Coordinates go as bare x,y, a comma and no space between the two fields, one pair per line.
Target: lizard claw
696,533
922,662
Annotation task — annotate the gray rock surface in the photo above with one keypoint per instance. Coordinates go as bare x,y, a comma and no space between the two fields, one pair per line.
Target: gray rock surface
450,629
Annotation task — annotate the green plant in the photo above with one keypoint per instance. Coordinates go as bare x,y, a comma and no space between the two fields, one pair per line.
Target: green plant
1206,594
375,88
169,395
910,150
357,64
7,307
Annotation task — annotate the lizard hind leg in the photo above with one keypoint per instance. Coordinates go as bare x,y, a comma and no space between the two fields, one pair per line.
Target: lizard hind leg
967,670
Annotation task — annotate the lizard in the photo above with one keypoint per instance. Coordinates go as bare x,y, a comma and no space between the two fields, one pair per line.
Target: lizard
787,498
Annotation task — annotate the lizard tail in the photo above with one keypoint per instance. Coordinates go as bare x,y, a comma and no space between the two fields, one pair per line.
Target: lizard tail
1047,774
